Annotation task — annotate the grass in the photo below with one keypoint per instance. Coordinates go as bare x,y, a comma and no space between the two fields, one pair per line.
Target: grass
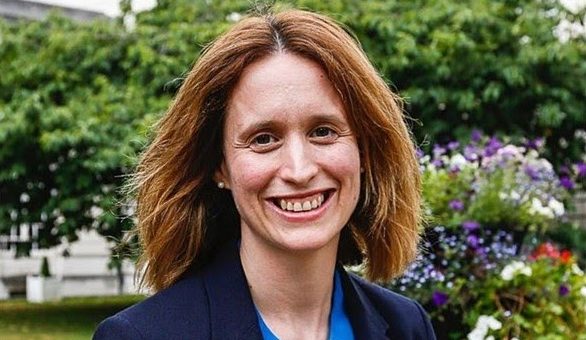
69,319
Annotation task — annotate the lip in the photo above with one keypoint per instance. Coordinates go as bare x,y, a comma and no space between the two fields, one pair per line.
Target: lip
303,216
301,195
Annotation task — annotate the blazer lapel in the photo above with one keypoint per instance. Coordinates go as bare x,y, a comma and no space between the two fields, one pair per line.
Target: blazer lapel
367,323
232,312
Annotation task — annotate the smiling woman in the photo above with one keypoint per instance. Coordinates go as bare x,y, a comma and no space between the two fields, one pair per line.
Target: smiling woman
284,157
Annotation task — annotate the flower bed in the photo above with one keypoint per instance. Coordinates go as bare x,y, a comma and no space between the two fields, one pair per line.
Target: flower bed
485,270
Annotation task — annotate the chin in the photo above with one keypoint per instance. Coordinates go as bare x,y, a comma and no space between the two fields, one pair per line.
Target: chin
309,243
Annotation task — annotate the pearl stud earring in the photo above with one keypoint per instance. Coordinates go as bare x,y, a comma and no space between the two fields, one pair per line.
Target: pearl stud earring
221,185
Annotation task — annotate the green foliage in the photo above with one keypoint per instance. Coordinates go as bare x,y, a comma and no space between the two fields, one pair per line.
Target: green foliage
544,298
78,100
492,64
74,111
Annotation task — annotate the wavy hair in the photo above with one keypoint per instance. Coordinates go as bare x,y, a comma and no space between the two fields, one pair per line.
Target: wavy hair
182,217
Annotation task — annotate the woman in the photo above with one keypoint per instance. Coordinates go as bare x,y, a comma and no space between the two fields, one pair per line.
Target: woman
283,157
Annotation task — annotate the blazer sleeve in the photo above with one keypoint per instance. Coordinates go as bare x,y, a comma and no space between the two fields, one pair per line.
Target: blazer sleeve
116,328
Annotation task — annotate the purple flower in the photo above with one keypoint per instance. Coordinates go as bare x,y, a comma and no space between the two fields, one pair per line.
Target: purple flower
535,144
456,205
532,172
564,290
492,146
476,135
453,145
567,183
472,241
470,153
581,169
481,252
470,226
439,299
437,163
438,151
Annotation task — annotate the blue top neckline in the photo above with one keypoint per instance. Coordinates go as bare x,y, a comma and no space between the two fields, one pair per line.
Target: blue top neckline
339,326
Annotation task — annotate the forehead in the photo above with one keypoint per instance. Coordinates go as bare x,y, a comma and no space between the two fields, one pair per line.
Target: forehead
283,84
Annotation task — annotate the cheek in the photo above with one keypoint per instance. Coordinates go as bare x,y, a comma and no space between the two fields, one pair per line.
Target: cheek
248,174
344,161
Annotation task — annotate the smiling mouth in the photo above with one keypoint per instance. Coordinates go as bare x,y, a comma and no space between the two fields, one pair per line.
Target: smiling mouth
302,204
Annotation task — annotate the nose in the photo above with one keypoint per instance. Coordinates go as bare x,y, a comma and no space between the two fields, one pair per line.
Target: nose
298,162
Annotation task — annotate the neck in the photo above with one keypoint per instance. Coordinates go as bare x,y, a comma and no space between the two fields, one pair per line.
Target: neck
291,289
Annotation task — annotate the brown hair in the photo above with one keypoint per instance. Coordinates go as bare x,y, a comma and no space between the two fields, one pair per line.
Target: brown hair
183,217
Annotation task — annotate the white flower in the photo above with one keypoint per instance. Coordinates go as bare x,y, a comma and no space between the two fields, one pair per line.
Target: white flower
491,322
556,206
513,195
583,291
576,270
96,211
507,273
483,325
457,161
526,270
476,334
537,208
234,16
514,268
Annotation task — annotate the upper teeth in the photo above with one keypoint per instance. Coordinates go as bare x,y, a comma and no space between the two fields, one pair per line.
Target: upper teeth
303,205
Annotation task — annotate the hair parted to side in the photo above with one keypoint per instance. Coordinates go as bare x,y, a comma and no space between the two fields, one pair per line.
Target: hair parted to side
183,217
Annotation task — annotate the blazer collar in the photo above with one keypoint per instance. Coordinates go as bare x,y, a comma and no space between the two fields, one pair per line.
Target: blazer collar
233,314
367,322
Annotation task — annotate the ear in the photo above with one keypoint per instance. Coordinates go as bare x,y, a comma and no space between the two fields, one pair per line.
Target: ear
221,175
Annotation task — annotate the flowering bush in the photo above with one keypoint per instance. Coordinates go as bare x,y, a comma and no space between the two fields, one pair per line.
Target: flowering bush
483,271
544,296
492,183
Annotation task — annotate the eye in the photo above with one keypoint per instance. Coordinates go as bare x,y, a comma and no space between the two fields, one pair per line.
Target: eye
263,139
263,142
324,133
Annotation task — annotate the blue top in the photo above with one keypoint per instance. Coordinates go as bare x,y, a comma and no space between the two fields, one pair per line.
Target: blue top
340,327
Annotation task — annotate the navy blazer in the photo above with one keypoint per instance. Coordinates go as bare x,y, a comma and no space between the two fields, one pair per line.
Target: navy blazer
215,303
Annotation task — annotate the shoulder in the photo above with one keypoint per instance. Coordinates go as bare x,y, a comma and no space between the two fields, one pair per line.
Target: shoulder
404,315
180,309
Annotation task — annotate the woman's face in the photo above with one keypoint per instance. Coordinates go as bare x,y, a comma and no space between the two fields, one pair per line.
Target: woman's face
291,160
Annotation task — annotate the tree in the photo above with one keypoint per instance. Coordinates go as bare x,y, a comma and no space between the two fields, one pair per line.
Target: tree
77,101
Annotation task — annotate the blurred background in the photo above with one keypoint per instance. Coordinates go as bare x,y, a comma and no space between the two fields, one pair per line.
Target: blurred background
495,92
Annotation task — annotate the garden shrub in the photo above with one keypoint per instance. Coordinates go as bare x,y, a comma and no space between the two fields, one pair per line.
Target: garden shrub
484,269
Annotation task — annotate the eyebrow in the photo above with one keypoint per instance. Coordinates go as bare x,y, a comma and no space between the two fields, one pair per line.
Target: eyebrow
265,124
329,118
